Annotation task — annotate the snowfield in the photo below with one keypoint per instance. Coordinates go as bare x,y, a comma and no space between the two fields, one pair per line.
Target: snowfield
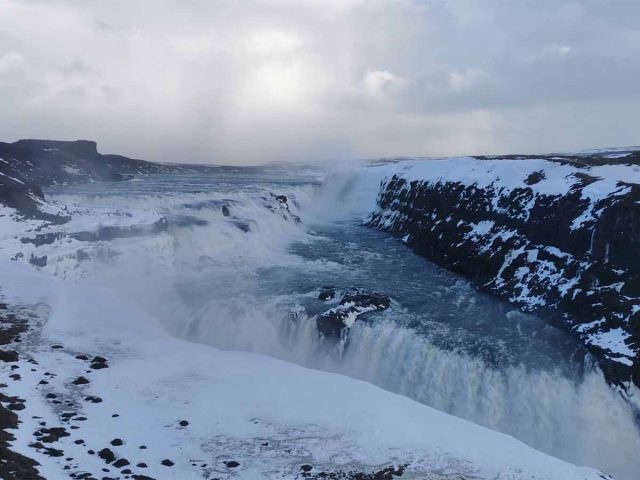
200,409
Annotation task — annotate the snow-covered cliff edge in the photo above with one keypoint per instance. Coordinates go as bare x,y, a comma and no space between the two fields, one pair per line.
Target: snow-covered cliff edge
558,235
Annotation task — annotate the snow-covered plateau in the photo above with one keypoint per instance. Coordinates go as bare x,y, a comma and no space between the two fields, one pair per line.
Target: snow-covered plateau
174,322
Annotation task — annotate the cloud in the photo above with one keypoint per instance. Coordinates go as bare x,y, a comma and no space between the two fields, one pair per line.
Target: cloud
261,80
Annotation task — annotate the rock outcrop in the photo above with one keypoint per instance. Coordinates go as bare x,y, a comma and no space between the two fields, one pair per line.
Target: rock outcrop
335,322
557,235
26,166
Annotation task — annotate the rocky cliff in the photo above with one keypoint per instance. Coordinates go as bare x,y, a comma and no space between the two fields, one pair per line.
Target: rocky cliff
557,235
28,165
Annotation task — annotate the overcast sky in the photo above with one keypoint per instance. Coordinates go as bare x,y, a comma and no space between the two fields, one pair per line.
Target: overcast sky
231,81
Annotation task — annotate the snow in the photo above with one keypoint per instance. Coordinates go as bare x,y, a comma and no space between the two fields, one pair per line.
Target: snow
505,173
72,170
613,340
12,178
235,403
481,228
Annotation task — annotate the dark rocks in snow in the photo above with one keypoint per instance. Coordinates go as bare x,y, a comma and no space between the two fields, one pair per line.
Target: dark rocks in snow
50,435
80,381
116,442
335,322
121,462
38,261
167,463
8,356
52,452
232,464
98,363
183,423
107,455
93,399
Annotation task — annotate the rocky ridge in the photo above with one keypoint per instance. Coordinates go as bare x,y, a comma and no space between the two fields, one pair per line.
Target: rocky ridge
557,235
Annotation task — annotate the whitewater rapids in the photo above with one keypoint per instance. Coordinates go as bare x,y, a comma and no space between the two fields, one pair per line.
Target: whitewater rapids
249,281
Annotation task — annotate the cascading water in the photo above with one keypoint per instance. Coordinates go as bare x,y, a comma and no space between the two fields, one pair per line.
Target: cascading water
247,278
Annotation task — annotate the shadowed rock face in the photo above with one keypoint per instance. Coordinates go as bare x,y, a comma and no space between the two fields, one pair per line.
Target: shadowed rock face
49,162
28,165
529,249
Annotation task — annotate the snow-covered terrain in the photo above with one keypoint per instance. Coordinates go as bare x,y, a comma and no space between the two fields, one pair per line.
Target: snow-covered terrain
165,293
202,409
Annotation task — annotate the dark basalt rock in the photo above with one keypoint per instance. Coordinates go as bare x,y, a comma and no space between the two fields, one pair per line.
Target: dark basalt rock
281,206
121,462
50,435
38,261
107,455
98,363
8,356
335,322
80,381
583,276
327,293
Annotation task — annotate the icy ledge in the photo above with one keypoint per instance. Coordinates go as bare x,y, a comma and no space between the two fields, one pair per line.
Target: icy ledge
218,414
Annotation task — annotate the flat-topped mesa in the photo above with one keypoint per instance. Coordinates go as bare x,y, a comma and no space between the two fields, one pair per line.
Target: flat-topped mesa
80,148
28,165
50,162
555,236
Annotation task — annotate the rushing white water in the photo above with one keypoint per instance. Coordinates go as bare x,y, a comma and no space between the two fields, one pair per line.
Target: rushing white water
248,281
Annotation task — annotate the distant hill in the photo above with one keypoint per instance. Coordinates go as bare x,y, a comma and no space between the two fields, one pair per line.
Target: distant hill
28,165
